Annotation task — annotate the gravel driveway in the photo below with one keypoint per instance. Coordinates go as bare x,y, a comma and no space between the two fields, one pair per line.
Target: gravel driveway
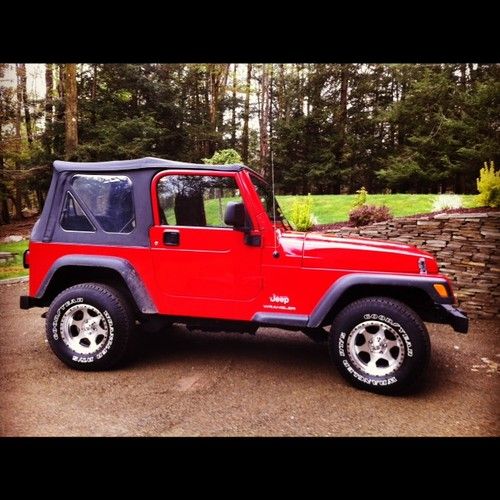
277,383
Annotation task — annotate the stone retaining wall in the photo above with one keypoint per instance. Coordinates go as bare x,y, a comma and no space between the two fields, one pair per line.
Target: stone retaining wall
465,245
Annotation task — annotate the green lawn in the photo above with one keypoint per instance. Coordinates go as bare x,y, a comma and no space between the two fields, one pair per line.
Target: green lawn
335,208
13,269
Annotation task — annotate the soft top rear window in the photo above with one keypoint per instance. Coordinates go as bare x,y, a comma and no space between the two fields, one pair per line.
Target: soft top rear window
109,199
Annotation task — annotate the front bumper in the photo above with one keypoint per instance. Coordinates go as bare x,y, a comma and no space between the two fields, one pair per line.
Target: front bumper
454,317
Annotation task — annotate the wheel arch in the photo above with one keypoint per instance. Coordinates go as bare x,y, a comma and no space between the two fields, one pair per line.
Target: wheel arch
70,270
415,292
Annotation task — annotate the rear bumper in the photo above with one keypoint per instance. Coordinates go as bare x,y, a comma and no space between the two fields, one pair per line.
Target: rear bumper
454,317
27,302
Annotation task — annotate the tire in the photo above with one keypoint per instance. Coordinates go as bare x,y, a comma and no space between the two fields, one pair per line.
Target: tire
379,344
89,327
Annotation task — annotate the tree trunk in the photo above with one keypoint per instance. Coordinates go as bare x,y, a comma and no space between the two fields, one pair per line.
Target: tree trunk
40,200
463,76
49,107
18,199
391,124
183,99
246,116
264,119
17,127
93,94
282,108
198,113
471,73
233,111
217,74
24,98
71,110
19,103
27,200
5,211
4,207
207,144
401,130
344,82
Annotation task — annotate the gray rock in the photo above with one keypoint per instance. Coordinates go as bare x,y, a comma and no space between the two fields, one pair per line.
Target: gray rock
12,239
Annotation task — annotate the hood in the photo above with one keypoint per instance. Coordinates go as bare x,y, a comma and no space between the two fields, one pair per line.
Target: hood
322,250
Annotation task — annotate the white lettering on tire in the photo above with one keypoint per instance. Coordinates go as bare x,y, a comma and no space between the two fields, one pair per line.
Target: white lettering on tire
365,380
342,344
110,337
82,359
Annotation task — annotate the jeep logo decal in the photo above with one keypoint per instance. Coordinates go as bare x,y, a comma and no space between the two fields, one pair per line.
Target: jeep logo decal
280,299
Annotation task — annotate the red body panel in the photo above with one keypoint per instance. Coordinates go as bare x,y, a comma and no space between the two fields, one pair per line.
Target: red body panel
212,273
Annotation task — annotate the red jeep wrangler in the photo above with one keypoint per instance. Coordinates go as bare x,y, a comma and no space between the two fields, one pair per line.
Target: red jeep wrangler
149,240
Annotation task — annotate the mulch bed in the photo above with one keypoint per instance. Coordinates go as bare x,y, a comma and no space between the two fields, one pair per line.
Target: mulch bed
338,225
18,228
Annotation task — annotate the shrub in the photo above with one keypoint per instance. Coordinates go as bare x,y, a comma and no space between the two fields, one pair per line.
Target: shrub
360,200
301,216
488,186
223,157
447,202
368,214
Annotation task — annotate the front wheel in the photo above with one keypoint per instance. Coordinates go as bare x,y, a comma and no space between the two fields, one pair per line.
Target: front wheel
90,326
379,344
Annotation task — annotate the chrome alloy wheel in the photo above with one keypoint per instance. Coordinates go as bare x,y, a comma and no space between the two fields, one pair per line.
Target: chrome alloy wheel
84,329
375,348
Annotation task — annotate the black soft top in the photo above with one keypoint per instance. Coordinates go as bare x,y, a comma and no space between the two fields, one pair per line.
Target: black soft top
140,171
148,162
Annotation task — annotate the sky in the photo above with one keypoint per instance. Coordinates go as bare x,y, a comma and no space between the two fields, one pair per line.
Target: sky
35,79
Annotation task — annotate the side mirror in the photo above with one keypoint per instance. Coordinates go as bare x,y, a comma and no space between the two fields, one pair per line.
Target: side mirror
235,215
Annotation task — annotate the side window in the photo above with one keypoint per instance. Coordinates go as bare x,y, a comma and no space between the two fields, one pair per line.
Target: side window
73,218
195,200
109,199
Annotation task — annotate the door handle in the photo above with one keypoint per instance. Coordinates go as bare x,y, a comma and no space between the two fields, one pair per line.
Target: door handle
171,238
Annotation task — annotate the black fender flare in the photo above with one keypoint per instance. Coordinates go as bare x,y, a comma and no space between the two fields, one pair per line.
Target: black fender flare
130,276
335,292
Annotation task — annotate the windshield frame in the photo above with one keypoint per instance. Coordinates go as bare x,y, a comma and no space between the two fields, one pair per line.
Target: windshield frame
265,195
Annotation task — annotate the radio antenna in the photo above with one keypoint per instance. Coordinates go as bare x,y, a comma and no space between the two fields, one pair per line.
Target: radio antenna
276,254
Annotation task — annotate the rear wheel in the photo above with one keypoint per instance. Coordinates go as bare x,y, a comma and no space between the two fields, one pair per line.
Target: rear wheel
379,344
89,326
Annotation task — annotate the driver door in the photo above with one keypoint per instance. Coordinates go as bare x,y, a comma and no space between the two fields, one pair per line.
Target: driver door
199,261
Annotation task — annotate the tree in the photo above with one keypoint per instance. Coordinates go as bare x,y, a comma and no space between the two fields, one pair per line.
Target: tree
18,196
5,111
217,75
24,98
264,117
246,116
71,110
223,157
234,104
331,128
49,107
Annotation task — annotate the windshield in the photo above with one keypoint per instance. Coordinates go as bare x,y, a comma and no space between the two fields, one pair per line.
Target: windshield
266,196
